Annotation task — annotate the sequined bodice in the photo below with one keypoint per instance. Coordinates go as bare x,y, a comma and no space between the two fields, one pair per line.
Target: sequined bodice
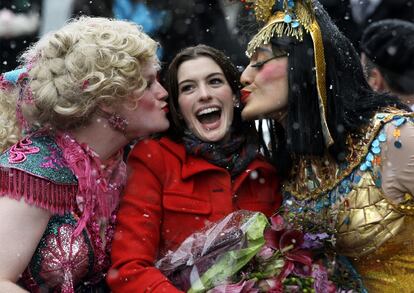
369,228
73,253
62,260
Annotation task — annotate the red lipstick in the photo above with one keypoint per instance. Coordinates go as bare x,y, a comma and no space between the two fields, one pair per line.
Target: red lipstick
244,96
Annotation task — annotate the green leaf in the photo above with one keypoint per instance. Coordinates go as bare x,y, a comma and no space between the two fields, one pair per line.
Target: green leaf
232,261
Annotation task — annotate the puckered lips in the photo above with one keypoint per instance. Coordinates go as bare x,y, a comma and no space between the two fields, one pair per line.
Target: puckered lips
165,108
209,116
244,96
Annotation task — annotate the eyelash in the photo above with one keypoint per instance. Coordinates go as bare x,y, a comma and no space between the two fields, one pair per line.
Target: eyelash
216,81
149,84
260,64
213,81
185,88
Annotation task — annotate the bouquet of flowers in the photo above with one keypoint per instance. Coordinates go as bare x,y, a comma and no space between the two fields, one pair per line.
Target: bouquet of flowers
245,252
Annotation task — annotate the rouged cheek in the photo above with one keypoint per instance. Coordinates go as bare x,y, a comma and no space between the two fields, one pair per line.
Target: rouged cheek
272,72
146,103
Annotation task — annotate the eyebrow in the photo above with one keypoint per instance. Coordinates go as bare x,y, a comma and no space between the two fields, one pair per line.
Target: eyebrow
207,77
150,76
261,50
265,50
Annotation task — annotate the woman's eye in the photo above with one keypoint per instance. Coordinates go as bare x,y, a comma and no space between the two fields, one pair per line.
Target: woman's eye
258,65
149,84
186,88
216,81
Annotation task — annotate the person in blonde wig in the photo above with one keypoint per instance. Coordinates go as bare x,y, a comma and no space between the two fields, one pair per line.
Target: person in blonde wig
81,94
347,152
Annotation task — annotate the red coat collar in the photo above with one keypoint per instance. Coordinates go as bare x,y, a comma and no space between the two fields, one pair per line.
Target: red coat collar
190,165
193,165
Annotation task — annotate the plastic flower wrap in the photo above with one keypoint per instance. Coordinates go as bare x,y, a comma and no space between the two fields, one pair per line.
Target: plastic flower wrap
245,252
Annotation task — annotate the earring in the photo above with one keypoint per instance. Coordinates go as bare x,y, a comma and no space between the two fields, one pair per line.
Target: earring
114,120
118,123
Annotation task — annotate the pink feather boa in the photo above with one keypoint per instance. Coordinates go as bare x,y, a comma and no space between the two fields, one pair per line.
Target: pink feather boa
99,183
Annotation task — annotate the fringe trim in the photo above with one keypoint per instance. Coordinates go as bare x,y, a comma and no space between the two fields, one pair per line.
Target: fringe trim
279,29
276,26
42,193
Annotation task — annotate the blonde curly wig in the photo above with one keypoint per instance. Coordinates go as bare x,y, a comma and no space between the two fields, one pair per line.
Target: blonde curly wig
88,62
9,127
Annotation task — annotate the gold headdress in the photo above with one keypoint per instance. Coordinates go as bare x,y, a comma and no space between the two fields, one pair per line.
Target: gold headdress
293,18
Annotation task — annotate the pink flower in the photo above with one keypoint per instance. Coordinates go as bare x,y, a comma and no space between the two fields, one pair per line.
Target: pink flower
277,223
277,288
289,242
291,238
271,285
322,284
265,253
297,260
240,287
272,238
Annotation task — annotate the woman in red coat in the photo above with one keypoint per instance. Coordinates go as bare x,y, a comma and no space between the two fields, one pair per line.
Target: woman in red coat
207,167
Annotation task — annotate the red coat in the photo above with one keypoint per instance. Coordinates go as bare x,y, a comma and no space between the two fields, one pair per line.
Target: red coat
170,195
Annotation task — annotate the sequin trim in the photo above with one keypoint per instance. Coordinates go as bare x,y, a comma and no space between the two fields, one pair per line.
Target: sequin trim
358,150
64,262
53,160
19,151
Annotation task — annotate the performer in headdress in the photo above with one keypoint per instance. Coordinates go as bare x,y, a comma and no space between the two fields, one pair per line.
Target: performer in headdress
348,152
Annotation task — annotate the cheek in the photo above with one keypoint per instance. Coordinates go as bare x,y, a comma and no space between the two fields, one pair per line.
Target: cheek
272,72
226,95
184,105
147,103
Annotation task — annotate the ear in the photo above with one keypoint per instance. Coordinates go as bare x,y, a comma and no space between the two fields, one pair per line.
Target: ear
376,80
106,108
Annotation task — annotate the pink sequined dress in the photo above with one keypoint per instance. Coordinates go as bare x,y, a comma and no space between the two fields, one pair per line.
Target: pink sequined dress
73,253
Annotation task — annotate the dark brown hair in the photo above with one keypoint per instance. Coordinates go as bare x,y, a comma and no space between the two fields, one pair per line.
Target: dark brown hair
230,71
350,101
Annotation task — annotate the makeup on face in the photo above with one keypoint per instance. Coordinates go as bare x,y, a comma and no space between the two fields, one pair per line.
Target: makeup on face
265,81
147,115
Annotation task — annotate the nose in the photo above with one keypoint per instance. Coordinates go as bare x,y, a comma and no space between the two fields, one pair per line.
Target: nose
161,93
247,76
204,93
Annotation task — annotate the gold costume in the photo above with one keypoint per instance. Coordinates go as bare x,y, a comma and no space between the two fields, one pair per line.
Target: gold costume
375,230
365,202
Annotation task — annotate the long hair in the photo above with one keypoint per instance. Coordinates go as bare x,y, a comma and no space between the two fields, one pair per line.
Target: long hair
350,101
232,75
